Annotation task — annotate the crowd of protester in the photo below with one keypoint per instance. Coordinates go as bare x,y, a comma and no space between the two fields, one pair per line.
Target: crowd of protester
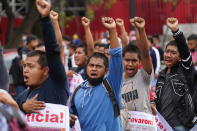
121,72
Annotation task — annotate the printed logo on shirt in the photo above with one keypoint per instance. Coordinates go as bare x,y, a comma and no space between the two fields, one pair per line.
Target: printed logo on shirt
129,96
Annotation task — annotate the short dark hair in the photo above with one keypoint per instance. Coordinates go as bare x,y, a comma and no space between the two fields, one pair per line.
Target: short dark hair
30,38
40,45
95,45
65,37
101,56
107,46
72,46
171,43
192,37
156,36
42,60
150,38
100,45
131,48
20,51
84,48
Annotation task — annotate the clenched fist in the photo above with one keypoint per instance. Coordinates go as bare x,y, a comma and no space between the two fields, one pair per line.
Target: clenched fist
43,7
138,22
120,22
172,23
108,23
85,22
53,16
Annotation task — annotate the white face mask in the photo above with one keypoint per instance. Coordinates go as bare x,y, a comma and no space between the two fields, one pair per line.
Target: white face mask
24,38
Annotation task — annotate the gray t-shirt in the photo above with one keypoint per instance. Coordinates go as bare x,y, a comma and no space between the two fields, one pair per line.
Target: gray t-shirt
136,92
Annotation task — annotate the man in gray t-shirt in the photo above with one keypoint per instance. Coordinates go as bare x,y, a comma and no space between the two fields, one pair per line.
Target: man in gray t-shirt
135,91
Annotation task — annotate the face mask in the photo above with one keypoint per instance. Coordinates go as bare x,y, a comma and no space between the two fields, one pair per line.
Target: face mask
24,38
95,81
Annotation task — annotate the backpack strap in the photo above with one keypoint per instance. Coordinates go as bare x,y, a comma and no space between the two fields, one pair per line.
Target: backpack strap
73,107
112,97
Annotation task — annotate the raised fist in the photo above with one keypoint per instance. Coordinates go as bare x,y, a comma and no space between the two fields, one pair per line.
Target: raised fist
172,23
120,22
85,21
138,22
43,7
108,23
53,16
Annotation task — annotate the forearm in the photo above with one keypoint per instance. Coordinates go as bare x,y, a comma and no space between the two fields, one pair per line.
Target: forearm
58,33
115,70
143,44
182,45
4,77
48,34
123,36
89,40
137,35
56,68
144,48
58,36
113,38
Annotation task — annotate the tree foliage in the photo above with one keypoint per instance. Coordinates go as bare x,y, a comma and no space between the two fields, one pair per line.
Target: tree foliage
30,19
95,3
174,3
32,16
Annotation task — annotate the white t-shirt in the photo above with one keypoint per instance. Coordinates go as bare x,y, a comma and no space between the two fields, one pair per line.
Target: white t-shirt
136,92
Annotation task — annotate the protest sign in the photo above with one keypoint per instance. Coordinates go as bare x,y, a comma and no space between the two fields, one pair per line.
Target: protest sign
162,124
140,121
194,128
74,82
53,117
76,127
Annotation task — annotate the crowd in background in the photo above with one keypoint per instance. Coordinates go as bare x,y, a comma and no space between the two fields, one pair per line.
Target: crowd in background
143,75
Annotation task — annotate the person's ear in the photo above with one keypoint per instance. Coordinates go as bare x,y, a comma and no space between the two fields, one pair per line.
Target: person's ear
46,70
140,61
106,70
179,57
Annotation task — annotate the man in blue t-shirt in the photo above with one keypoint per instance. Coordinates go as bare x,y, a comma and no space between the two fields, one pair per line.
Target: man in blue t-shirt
93,105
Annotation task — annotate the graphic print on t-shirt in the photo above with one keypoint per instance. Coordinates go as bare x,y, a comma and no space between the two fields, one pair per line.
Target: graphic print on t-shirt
129,96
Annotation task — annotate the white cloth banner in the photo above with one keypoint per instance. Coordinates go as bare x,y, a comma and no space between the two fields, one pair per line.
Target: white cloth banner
140,121
74,82
162,124
194,128
52,117
76,127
